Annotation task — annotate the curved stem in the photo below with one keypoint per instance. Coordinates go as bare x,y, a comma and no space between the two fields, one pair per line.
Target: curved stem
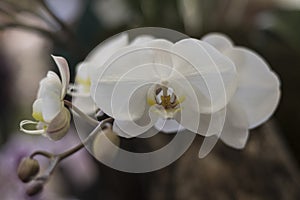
53,164
86,140
42,153
89,119
56,159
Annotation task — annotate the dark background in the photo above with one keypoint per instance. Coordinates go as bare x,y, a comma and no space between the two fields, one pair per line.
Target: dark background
270,27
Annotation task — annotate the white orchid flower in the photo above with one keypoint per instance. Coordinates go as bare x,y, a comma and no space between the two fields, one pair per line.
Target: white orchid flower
86,70
164,77
53,119
208,87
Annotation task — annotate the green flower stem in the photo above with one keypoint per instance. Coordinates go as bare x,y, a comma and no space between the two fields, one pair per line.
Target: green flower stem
89,119
42,153
56,159
98,129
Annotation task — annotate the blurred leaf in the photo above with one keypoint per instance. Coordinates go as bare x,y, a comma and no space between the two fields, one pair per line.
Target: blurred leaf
285,24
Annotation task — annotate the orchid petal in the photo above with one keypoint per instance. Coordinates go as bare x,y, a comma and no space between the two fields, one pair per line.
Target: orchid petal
63,67
212,124
104,51
86,104
207,145
168,126
129,100
134,128
202,124
51,83
82,70
126,71
161,54
37,109
235,132
258,91
219,41
51,107
189,111
140,40
211,73
130,57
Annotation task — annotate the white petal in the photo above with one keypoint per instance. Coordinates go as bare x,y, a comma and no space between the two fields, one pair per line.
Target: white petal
203,124
50,84
37,106
82,71
124,83
235,132
130,56
51,107
104,51
161,51
140,40
63,67
85,104
207,145
168,125
218,40
212,124
127,58
212,74
189,112
258,91
134,128
161,54
53,77
50,95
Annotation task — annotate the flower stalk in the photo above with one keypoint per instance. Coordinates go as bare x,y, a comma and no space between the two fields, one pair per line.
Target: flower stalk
38,182
89,119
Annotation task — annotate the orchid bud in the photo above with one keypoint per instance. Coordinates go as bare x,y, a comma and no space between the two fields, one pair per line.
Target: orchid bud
59,126
35,187
28,168
105,145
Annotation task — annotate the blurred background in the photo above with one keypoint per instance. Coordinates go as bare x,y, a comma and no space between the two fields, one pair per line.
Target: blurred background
31,30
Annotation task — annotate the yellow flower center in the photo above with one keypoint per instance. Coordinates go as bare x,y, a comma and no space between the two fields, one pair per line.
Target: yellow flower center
166,97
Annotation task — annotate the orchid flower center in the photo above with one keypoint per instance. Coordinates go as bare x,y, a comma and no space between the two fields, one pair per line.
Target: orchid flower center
166,97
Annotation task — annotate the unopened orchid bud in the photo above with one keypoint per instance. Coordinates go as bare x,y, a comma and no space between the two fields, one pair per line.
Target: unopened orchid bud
35,187
28,168
59,126
106,145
